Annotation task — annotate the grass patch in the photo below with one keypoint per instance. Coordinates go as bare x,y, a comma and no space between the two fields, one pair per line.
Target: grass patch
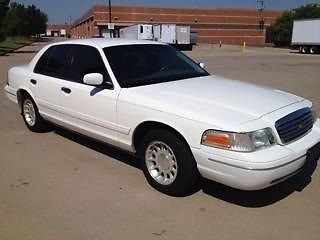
13,43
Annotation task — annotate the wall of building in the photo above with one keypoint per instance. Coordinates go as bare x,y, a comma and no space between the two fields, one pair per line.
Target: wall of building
58,30
232,26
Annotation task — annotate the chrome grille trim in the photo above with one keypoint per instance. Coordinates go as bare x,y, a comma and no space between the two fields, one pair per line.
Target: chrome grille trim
294,125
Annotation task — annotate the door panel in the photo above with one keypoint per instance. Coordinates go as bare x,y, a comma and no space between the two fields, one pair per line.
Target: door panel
46,79
89,109
47,94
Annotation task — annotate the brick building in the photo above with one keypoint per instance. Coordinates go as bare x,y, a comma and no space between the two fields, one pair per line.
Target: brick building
58,30
232,26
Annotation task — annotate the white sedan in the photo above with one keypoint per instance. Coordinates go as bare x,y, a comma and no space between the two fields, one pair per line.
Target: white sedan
150,99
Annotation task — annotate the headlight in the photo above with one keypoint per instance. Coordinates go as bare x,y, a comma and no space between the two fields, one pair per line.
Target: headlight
241,142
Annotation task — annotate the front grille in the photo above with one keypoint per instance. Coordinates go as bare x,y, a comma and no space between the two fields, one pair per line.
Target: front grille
294,125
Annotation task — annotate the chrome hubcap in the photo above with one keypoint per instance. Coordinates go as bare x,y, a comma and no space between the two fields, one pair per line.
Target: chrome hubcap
29,112
161,163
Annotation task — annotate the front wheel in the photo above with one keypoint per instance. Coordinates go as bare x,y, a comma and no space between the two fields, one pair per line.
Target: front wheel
31,116
168,164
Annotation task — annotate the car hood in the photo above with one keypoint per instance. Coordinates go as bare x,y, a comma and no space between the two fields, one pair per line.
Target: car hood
213,100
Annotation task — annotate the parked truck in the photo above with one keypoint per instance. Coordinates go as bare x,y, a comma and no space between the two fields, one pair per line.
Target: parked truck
172,34
139,31
175,35
306,35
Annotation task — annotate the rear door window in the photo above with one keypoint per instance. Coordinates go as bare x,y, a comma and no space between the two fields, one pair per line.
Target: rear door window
56,66
42,63
54,61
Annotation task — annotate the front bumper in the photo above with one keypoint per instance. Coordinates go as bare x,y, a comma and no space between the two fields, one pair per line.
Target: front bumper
256,170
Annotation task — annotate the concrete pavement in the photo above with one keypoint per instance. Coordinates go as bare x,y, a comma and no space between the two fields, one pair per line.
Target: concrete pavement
58,185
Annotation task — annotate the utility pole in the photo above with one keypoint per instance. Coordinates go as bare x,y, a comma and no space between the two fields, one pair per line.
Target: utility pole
110,19
261,8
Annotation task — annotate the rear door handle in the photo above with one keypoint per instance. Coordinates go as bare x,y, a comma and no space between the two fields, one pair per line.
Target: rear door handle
34,82
66,90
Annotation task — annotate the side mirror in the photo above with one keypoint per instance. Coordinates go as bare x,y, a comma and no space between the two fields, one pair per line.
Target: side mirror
94,79
202,65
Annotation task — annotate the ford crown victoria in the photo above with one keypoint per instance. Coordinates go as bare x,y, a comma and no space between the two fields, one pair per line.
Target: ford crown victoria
183,123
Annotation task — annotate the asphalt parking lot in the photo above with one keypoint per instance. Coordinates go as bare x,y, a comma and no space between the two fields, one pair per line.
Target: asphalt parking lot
58,185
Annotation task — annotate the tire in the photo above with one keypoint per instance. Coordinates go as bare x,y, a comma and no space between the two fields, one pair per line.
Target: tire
305,50
31,116
301,49
313,50
168,163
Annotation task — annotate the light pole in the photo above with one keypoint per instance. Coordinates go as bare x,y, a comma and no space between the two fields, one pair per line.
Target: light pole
261,12
110,19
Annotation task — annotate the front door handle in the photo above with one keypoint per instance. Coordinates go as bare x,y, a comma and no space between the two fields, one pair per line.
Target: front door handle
34,82
66,90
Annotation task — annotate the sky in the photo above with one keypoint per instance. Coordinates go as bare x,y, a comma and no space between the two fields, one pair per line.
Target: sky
59,11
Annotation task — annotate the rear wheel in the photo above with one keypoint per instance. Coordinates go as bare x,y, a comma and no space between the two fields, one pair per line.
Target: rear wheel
313,50
167,163
31,116
305,49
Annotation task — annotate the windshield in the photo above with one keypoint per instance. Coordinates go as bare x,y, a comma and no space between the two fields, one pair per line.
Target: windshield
144,64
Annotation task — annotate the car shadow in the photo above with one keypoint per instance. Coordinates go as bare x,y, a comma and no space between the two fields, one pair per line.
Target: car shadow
43,40
261,198
304,54
21,51
100,147
250,199
12,52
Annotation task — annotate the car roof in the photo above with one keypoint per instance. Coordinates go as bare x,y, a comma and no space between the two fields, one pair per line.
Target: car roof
106,42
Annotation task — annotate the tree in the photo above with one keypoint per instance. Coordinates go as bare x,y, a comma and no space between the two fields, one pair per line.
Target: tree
282,28
25,21
4,6
36,21
308,11
14,22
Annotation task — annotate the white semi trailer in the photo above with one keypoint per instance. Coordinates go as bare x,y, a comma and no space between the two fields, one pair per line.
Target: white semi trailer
306,35
139,31
176,35
172,34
